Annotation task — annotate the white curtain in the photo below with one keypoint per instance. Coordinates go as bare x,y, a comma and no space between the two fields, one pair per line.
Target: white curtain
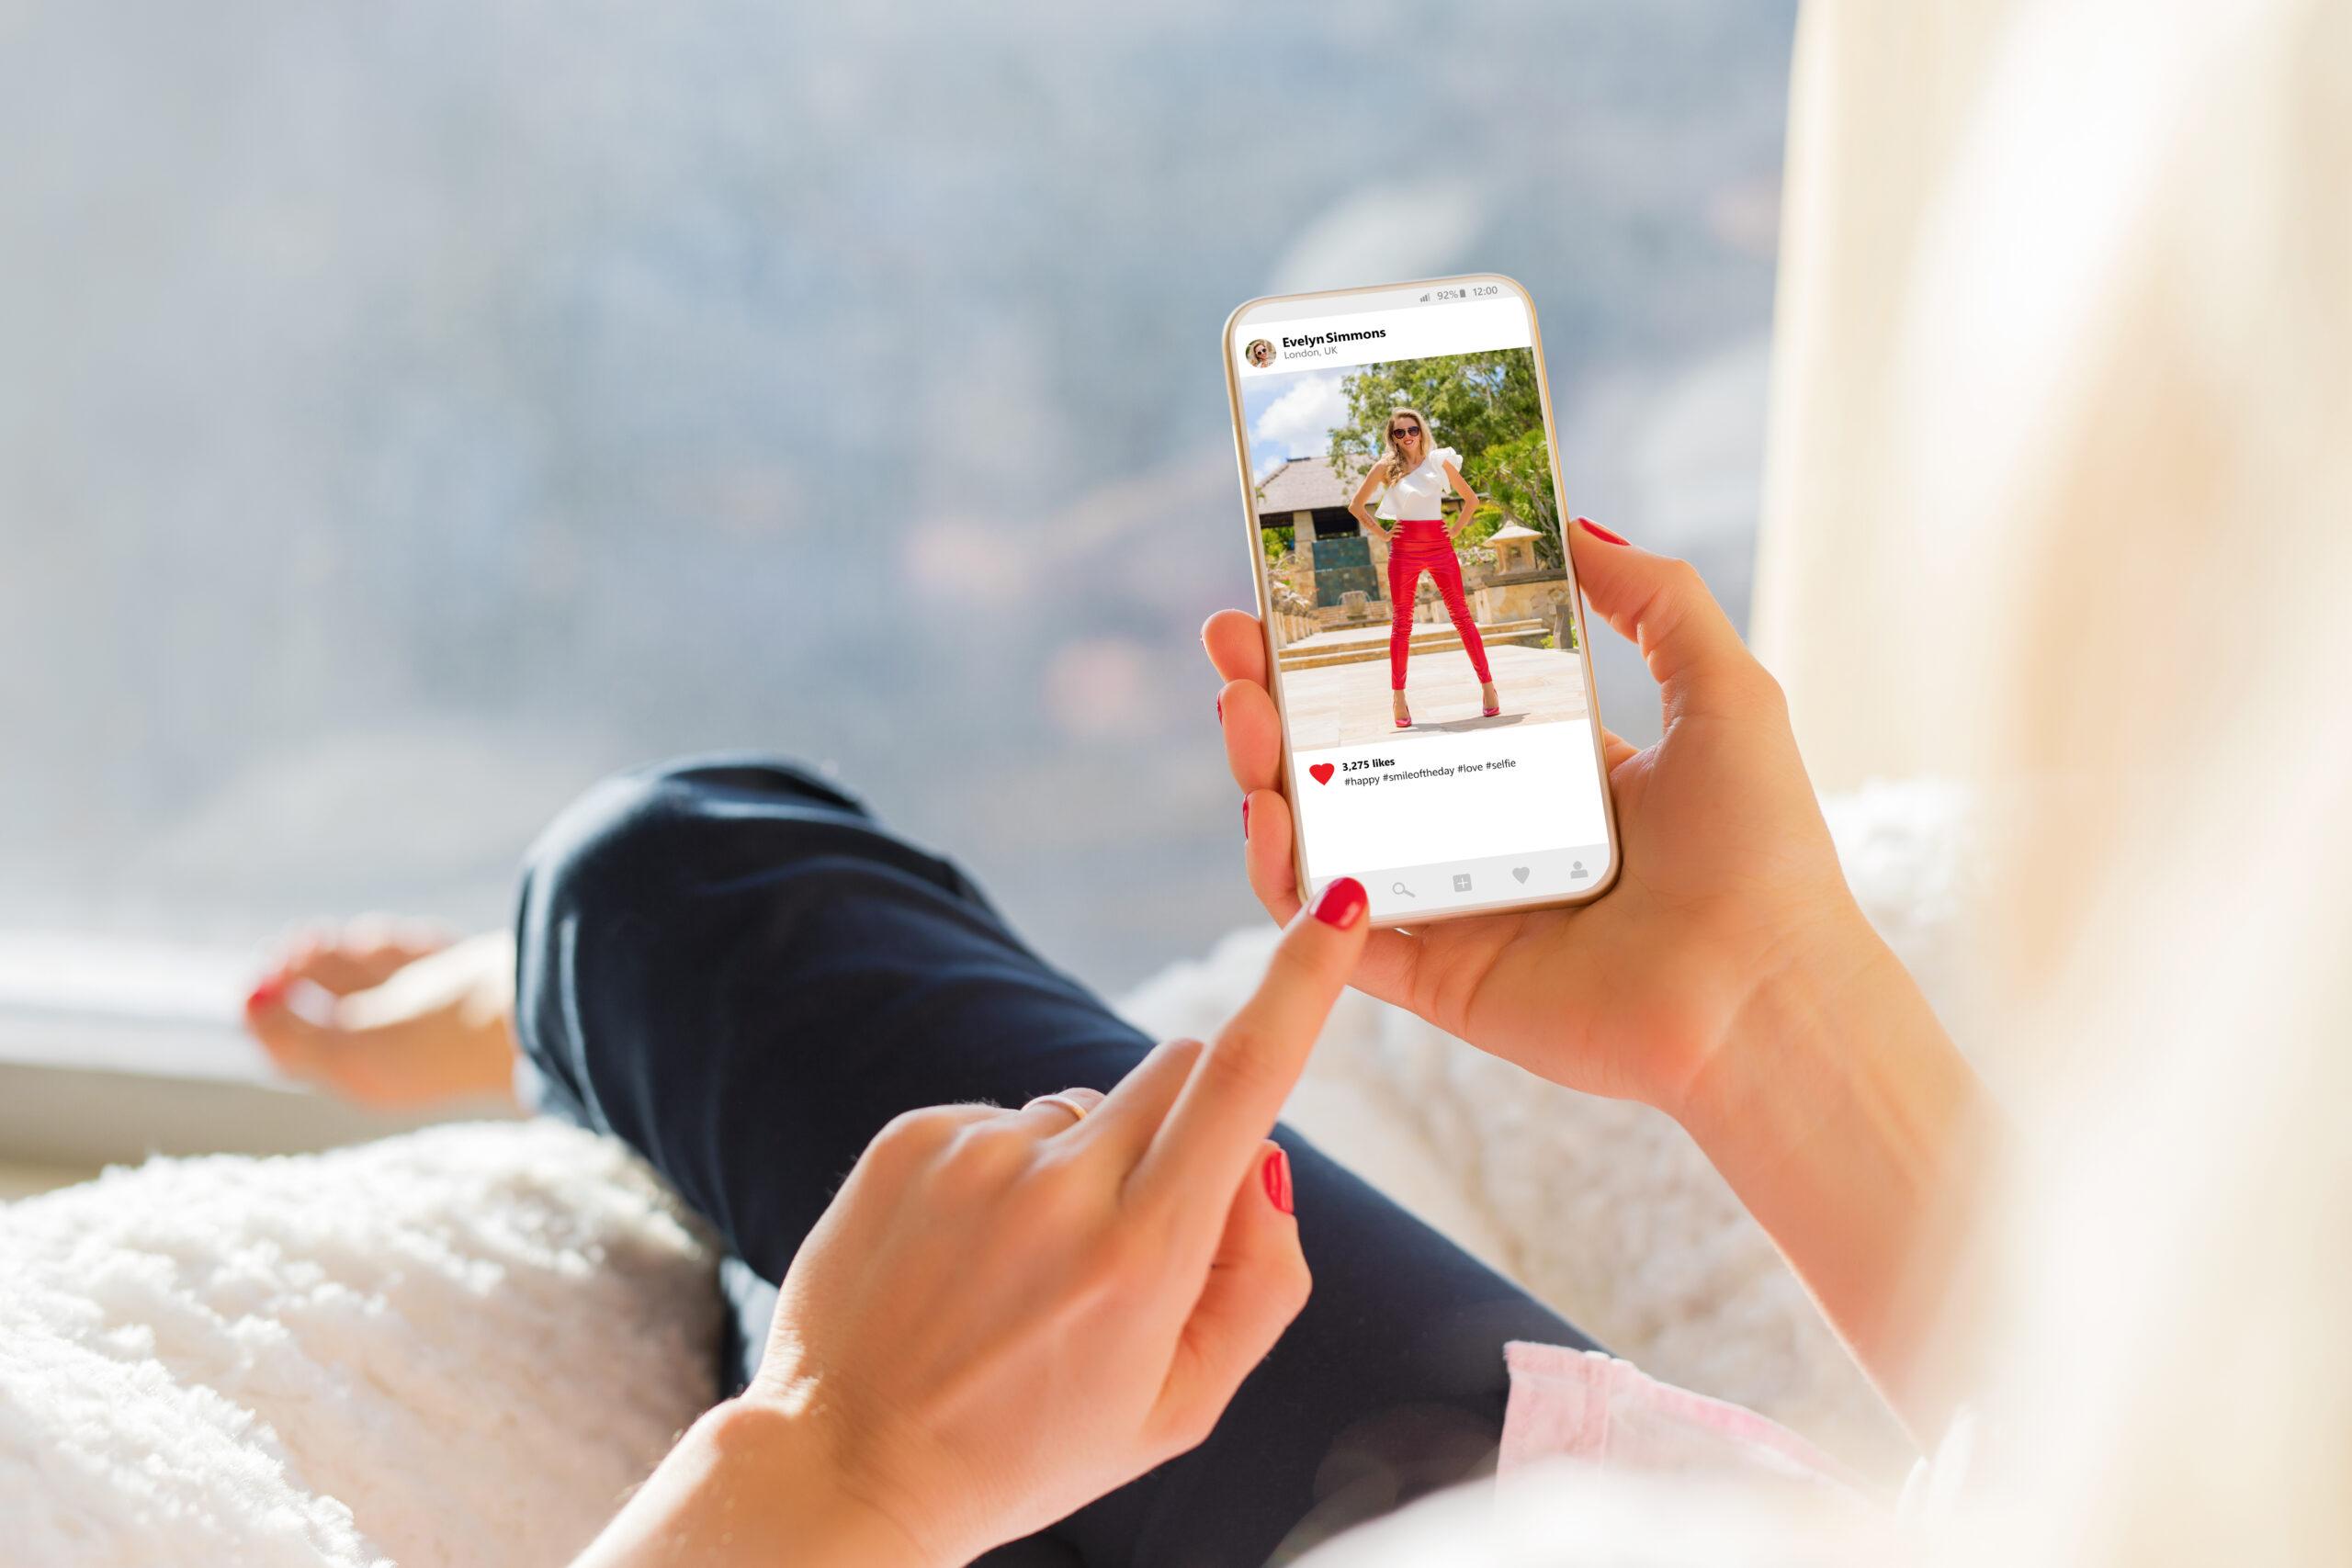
2065,299
2059,498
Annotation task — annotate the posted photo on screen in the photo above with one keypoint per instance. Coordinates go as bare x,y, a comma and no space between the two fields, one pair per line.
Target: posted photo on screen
1398,610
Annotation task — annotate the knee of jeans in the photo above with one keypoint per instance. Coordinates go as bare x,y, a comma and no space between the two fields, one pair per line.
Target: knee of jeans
602,840
625,831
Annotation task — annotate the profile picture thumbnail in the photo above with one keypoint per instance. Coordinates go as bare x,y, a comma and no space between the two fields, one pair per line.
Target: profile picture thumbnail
1260,351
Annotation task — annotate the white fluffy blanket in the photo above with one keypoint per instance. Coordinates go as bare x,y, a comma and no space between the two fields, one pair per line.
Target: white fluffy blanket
463,1345
457,1347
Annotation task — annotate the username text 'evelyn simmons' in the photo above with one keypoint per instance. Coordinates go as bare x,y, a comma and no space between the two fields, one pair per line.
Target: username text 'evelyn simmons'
1315,340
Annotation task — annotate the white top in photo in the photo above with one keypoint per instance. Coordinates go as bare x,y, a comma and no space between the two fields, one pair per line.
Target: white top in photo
1420,492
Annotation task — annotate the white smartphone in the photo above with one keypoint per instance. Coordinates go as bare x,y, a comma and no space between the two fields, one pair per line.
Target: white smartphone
1426,639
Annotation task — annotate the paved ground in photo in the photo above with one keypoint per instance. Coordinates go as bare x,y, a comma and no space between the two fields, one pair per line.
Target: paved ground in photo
1347,704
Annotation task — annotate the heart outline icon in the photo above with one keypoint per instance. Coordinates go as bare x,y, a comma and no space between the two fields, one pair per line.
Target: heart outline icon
1520,871
1322,771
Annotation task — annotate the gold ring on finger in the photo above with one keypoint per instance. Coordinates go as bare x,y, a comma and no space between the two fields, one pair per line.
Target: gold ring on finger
1068,1101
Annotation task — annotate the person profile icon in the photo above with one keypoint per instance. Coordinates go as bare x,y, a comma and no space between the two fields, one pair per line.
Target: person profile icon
1260,353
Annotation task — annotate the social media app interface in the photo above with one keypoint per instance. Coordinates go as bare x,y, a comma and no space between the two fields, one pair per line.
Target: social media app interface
1371,422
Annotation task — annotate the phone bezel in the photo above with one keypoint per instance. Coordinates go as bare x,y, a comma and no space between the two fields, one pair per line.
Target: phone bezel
1253,534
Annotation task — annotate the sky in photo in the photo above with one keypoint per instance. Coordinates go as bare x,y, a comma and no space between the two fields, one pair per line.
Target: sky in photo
1293,415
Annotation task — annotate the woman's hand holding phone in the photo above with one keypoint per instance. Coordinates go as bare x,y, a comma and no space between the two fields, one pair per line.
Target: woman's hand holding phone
1005,1314
1729,978
1728,871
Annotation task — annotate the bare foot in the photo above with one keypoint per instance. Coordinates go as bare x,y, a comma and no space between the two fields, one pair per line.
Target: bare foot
391,1015
1489,700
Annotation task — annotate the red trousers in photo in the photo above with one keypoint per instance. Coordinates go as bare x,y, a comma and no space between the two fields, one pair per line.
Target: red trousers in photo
1417,546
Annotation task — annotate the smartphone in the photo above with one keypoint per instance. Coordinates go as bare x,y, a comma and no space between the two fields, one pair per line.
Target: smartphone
1403,510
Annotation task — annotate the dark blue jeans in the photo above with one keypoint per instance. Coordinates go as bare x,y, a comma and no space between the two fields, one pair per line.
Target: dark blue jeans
727,965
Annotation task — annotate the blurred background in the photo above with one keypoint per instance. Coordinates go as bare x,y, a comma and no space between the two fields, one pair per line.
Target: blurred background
409,413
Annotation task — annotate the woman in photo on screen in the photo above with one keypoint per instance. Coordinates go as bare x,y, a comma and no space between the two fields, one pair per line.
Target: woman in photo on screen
1416,477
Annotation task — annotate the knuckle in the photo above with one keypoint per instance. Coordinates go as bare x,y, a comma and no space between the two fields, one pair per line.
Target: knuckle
1293,967
1092,1098
915,1135
1192,1427
1184,1049
988,1148
1744,677
1174,1431
1293,1283
1237,1066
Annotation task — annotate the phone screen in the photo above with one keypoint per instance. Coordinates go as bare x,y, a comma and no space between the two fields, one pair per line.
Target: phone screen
1397,404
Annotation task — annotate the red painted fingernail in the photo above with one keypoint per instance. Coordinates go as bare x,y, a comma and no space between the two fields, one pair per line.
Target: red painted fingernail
1275,1174
267,994
1597,531
1220,708
1245,815
1342,903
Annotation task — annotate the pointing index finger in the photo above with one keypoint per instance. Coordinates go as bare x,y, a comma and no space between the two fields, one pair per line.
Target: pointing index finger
1237,1088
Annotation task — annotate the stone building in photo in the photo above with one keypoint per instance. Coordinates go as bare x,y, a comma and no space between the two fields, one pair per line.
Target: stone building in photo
1519,584
1335,569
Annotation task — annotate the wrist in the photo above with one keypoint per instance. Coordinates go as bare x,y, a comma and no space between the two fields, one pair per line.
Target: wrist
755,1481
1831,1049
836,1505
1781,1027
1855,1133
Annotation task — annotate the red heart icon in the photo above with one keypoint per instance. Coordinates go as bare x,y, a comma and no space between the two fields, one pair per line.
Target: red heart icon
1322,771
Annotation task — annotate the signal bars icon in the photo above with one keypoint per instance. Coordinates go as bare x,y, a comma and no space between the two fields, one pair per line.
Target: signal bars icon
1425,299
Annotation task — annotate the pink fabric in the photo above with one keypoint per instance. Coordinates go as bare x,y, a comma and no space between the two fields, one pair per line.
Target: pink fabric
1584,1405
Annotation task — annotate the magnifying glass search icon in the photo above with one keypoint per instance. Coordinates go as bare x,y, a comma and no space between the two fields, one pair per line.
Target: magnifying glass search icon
1400,888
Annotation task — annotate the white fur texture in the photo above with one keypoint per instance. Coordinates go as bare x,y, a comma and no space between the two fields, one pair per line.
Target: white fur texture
458,1347
463,1346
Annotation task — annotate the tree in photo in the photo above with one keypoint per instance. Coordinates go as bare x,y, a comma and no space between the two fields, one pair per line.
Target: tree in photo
1485,406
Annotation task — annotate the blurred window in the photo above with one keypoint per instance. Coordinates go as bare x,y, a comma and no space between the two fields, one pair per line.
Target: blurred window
414,411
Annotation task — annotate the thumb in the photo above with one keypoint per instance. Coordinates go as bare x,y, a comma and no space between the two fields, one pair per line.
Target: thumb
1662,605
1256,1285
